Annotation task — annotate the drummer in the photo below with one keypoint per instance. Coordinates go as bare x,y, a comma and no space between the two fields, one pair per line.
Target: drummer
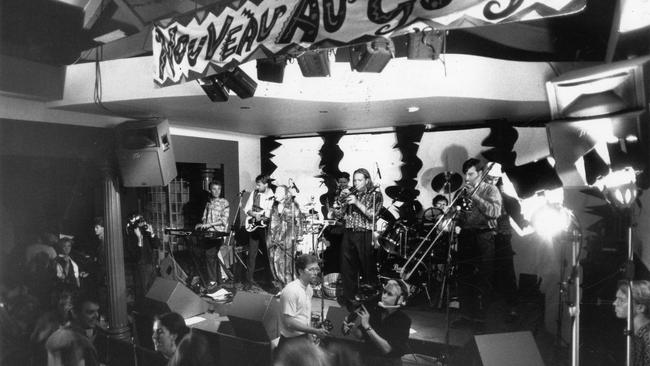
440,203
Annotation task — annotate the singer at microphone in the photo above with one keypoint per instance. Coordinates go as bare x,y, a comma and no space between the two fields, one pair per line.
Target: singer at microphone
293,185
383,327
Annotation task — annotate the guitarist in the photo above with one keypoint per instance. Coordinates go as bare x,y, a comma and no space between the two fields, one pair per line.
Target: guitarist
258,209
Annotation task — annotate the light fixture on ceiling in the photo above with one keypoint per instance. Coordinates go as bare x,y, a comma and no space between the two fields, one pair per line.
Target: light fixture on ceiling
314,64
271,69
214,88
413,109
372,56
239,82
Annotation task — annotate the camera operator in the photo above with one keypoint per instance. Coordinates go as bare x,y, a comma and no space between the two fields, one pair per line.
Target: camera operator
139,253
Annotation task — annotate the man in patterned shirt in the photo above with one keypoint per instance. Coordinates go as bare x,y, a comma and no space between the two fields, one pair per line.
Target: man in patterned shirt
357,252
476,245
215,218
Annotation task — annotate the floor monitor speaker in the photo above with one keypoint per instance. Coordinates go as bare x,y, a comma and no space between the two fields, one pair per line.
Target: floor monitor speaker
500,349
169,295
144,153
255,316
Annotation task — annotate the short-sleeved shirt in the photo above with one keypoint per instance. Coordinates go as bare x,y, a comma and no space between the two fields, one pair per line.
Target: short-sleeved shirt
395,329
295,301
216,212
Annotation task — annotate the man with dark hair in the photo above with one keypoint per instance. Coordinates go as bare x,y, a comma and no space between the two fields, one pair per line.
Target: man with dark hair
362,204
258,210
215,218
476,244
295,302
141,248
74,342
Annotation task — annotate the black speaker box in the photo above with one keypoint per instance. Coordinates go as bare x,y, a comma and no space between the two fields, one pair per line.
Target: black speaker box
144,153
169,295
499,349
255,316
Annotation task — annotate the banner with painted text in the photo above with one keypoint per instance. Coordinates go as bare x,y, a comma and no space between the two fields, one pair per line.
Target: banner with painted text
209,40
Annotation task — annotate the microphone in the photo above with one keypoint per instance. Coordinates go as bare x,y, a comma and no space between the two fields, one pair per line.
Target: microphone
378,172
293,185
242,192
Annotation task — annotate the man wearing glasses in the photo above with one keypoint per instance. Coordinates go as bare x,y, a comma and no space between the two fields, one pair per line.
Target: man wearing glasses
295,303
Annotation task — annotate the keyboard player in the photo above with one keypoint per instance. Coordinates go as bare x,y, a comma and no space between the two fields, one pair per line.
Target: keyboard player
214,219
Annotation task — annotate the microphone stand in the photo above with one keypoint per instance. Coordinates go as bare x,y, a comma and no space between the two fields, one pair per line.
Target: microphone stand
232,232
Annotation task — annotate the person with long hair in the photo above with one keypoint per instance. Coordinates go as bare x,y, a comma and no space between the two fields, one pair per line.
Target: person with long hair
168,331
640,317
362,203
193,350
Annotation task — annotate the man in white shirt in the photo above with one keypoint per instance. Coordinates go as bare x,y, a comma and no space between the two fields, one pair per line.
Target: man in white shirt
295,302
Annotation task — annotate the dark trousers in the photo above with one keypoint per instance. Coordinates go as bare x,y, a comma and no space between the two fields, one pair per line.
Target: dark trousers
475,271
357,258
257,241
212,264
505,280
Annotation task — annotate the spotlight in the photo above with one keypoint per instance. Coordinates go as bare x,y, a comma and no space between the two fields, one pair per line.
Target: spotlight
373,56
214,89
550,220
271,69
619,187
239,82
314,64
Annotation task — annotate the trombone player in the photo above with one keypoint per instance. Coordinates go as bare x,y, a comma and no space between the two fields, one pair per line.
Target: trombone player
478,223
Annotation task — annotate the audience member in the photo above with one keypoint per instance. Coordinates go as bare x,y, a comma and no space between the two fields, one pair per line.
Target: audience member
48,323
300,352
67,270
640,317
72,345
193,350
168,331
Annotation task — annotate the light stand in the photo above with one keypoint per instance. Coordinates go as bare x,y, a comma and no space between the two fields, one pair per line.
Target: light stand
619,189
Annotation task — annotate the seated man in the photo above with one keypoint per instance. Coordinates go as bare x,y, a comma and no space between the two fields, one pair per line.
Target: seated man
385,328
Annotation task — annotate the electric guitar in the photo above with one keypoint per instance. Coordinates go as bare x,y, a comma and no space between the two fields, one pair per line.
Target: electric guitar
253,223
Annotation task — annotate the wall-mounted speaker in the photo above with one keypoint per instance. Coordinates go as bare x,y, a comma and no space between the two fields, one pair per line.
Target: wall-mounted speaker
255,316
145,154
169,295
601,90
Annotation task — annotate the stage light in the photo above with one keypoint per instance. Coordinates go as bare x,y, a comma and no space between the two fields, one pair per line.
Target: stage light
314,64
619,187
271,69
214,88
550,220
239,82
413,109
372,56
425,45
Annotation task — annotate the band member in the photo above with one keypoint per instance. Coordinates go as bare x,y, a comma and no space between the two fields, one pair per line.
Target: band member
295,302
215,218
357,254
258,209
141,246
284,231
334,234
439,206
385,328
476,245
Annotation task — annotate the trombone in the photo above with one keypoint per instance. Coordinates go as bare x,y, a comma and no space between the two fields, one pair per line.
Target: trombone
445,220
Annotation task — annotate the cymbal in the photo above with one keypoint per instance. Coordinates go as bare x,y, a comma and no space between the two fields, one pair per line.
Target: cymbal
447,182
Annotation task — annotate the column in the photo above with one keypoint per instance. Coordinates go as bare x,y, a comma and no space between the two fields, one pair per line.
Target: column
114,254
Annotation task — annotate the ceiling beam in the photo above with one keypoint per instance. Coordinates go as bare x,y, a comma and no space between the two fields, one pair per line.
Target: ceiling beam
131,16
134,45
